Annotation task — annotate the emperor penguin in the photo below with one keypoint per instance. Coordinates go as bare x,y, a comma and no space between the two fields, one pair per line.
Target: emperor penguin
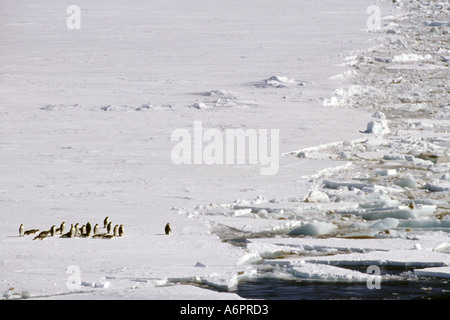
88,228
105,222
167,228
61,228
116,230
96,228
85,234
108,227
121,230
21,230
69,234
42,235
77,229
31,231
83,229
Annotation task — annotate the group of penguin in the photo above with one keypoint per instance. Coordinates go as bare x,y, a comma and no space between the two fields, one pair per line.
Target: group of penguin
75,231
83,232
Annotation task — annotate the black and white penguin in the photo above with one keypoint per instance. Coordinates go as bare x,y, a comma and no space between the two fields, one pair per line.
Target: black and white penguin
116,230
167,229
88,228
45,234
70,234
85,234
96,229
21,230
121,230
105,222
31,231
42,235
60,230
108,227
52,230
77,229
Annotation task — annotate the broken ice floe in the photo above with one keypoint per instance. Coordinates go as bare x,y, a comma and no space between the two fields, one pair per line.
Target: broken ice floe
345,75
398,212
96,284
349,97
60,107
436,23
279,82
411,57
334,259
387,204
199,105
128,108
213,99
222,281
12,294
314,271
222,93
314,228
148,106
113,107
377,127
438,272
222,98
438,186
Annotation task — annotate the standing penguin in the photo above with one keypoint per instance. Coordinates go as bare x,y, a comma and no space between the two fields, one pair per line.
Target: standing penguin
77,229
88,228
69,234
61,228
96,228
121,230
53,230
108,227
85,233
105,222
116,230
167,228
21,230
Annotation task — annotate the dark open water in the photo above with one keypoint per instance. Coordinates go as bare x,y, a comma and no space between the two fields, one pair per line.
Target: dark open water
403,288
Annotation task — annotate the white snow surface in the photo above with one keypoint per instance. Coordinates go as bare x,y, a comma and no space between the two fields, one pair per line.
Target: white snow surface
86,118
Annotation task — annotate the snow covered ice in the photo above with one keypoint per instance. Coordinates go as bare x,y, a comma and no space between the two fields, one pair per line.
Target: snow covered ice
86,122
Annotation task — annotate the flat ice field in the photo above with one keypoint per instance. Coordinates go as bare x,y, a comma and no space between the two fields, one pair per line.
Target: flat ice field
359,97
